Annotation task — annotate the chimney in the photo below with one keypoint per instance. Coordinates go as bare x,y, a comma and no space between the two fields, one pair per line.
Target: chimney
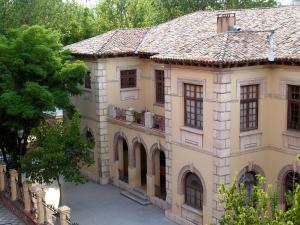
225,22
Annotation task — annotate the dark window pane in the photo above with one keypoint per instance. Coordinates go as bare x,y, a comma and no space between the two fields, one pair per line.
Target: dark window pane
249,107
88,81
160,86
128,78
294,107
193,100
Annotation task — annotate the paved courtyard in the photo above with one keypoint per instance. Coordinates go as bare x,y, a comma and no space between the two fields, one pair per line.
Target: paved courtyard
92,204
6,217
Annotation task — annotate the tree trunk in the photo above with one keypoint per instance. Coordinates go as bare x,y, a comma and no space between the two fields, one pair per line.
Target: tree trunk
60,192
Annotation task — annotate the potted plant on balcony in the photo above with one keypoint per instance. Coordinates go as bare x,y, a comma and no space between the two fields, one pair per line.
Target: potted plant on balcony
137,117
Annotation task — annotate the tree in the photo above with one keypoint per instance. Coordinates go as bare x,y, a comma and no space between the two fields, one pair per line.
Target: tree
36,75
66,17
260,207
57,152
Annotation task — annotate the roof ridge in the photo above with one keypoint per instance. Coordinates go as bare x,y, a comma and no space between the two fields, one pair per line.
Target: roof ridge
109,39
224,46
142,39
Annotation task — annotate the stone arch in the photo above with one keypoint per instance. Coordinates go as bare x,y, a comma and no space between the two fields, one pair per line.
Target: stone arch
137,140
118,135
251,167
181,180
154,148
281,178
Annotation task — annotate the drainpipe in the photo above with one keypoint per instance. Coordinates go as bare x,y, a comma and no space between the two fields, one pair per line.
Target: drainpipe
271,47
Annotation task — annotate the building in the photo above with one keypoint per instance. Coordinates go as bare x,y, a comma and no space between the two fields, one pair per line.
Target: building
182,107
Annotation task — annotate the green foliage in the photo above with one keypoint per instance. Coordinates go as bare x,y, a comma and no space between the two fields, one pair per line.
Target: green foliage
259,208
75,22
36,75
57,151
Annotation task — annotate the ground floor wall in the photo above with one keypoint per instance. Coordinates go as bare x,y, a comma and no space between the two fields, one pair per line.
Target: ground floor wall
273,163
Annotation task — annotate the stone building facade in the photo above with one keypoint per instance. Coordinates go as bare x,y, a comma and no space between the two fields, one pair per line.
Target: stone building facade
180,108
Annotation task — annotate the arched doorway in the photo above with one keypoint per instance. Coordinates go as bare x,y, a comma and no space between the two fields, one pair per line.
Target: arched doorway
290,183
143,166
160,174
123,160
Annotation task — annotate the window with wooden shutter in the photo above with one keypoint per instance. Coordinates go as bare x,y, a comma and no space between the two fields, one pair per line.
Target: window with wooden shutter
193,105
293,107
160,86
128,78
249,107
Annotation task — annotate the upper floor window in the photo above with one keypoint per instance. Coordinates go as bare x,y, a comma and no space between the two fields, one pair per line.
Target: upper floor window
249,107
128,78
294,107
160,86
88,80
193,105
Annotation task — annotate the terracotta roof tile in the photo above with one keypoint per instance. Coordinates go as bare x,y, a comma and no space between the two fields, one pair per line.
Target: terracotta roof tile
193,37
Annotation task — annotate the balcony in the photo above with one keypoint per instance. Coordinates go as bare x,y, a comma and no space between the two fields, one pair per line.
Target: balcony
138,119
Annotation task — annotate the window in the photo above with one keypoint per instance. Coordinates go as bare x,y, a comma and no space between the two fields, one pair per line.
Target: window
249,180
291,181
249,107
193,105
87,81
128,78
160,86
91,141
193,191
294,107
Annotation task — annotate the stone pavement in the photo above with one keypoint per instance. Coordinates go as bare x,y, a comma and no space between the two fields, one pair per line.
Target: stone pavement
6,217
93,204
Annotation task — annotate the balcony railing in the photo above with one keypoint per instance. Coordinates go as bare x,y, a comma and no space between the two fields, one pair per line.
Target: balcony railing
143,118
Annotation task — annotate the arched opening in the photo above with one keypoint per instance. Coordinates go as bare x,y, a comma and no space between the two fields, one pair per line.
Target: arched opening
143,166
123,159
193,191
249,180
160,174
290,183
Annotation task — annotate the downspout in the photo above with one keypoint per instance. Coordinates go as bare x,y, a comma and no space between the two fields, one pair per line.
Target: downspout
271,54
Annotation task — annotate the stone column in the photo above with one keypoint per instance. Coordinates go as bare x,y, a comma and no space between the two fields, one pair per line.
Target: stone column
27,197
101,117
2,175
149,121
13,184
168,134
221,137
129,115
64,213
40,194
151,185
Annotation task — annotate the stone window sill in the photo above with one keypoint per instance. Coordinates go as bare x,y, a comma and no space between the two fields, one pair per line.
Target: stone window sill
159,104
192,210
192,130
251,132
292,133
129,89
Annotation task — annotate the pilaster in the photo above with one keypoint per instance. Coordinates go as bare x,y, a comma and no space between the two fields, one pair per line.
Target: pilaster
168,135
101,116
221,137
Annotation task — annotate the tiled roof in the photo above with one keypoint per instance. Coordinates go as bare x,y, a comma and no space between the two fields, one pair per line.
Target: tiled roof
115,42
193,38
